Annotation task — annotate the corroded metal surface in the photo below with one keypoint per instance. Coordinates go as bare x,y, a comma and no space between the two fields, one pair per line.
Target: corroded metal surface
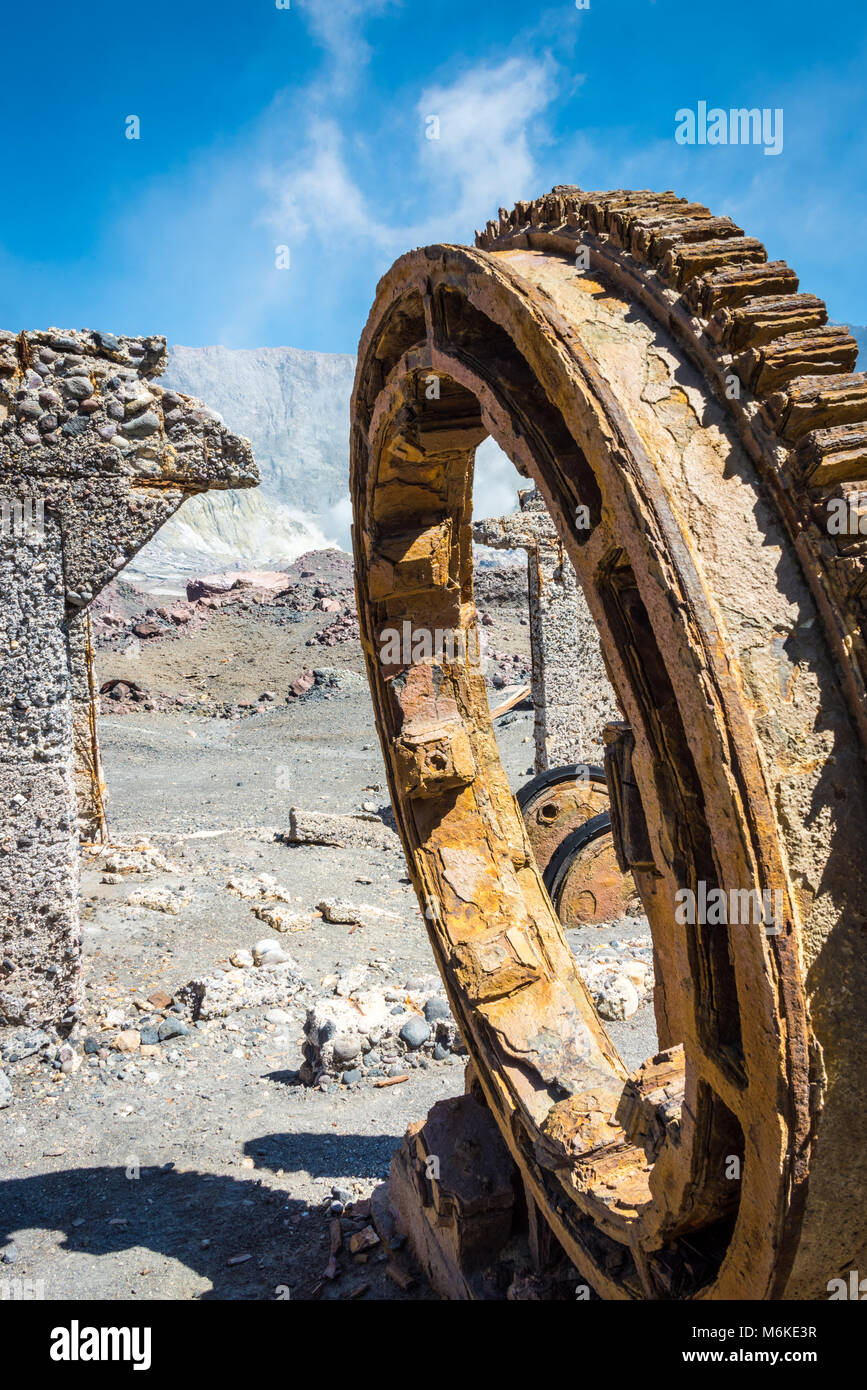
557,802
691,509
91,793
581,871
584,880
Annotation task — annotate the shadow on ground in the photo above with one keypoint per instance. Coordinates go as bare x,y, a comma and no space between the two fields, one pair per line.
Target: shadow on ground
107,1211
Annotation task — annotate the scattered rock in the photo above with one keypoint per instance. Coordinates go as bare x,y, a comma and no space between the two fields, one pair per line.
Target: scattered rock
280,919
69,1059
435,1009
148,628
373,1028
216,996
278,1016
334,910
18,1043
359,1241
322,828
614,995
140,858
263,888
158,900
172,1028
267,954
304,683
415,1032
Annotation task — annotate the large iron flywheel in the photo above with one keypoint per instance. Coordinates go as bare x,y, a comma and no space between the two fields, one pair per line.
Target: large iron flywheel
690,419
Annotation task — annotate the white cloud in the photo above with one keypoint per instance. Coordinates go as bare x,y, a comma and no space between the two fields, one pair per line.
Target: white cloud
347,195
337,25
317,196
483,156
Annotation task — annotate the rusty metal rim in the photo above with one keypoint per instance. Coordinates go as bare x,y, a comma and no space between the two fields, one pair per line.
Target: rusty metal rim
466,272
562,857
552,777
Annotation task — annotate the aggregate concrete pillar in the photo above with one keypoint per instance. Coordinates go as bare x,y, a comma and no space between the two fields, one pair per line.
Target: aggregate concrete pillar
94,457
572,697
38,849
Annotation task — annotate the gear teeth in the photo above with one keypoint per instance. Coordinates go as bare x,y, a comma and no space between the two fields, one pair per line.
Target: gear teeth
745,314
731,286
685,260
759,321
824,351
836,455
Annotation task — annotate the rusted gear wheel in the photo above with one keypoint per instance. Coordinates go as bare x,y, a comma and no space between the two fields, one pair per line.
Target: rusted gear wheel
584,884
684,412
565,810
558,801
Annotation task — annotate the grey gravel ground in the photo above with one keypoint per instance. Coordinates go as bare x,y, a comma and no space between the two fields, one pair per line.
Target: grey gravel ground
146,1178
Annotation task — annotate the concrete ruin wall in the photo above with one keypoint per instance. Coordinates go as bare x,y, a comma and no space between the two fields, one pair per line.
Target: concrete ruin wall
572,696
94,457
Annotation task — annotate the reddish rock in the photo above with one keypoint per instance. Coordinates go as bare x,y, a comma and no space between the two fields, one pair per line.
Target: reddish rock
217,585
209,585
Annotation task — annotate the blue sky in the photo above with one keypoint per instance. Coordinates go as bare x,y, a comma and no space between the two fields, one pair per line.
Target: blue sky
305,127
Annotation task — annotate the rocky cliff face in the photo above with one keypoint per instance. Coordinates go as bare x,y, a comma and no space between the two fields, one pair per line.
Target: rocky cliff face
294,408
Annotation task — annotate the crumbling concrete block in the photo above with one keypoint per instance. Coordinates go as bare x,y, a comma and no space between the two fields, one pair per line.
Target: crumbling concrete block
355,832
245,987
94,457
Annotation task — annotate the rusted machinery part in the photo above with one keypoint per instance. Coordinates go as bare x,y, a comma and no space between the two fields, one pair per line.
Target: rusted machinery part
583,878
89,756
730,628
556,805
557,801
